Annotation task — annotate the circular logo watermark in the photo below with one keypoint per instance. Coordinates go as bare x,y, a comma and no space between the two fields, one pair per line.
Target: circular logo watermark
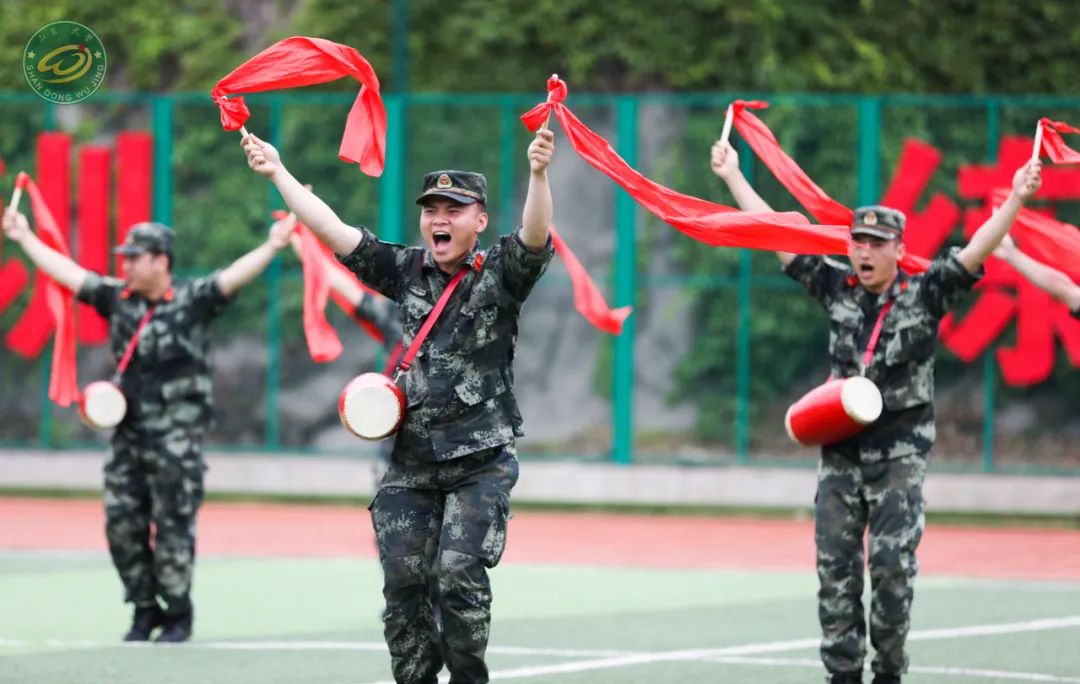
64,62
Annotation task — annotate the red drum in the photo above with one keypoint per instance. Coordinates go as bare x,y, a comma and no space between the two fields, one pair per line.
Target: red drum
102,405
834,411
372,406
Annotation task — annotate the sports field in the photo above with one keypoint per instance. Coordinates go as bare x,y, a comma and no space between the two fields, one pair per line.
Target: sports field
288,593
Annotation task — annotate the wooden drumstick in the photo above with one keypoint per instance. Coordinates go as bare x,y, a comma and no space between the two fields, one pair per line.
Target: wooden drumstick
544,125
726,132
1037,151
16,196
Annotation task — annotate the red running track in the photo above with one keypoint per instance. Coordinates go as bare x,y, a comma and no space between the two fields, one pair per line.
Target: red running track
246,529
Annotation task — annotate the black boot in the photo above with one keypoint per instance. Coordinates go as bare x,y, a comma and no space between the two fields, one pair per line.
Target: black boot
146,620
882,678
846,678
176,628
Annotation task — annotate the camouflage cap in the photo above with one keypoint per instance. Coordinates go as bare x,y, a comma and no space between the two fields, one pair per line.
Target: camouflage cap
882,222
466,187
156,238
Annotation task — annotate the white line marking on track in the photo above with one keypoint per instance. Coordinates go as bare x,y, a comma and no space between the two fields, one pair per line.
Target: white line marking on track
950,671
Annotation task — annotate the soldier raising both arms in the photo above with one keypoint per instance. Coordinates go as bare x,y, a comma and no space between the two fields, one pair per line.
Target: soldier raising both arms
446,495
155,472
874,480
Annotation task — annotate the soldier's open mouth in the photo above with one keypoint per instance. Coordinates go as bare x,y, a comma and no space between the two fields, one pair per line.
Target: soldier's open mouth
866,268
440,238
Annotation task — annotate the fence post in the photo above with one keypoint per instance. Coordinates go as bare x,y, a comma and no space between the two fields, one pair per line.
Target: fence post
626,114
392,183
993,127
272,431
45,424
163,151
742,345
869,191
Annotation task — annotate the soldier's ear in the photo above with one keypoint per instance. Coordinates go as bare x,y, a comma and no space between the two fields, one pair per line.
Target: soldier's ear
900,249
482,219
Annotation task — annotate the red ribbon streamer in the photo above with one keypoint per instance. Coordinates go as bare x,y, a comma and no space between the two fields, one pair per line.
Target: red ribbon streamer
31,332
63,383
816,201
13,275
317,260
301,61
93,235
1054,145
587,298
764,144
323,342
708,222
1046,239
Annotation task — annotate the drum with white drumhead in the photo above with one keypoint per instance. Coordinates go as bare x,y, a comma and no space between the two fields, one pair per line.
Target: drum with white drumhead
833,412
372,406
102,405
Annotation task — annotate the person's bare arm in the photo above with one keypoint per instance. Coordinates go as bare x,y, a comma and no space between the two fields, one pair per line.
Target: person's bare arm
724,161
1046,278
1026,183
248,267
536,216
60,268
312,211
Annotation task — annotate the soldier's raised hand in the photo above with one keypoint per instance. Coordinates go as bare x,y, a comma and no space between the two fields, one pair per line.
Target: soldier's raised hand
261,155
1028,179
282,231
541,150
724,160
15,225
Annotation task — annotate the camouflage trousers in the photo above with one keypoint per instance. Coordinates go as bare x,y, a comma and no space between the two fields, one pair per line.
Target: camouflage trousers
886,498
154,478
450,516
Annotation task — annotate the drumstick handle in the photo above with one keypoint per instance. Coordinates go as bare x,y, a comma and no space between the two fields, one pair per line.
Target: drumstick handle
544,125
16,196
243,131
726,133
1036,152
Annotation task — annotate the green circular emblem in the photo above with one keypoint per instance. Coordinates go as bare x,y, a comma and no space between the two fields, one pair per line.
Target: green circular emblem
64,62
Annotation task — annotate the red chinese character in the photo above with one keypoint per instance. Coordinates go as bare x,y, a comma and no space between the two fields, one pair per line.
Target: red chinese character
1038,317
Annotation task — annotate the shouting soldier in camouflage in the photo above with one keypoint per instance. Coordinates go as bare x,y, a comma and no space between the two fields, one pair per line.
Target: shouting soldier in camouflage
874,480
446,495
155,472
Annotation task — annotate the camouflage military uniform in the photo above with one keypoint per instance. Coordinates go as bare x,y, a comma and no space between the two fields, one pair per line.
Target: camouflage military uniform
446,496
875,478
155,471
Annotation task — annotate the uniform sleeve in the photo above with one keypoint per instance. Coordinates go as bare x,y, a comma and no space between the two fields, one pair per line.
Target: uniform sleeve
100,292
207,299
945,281
381,265
522,267
814,273
381,313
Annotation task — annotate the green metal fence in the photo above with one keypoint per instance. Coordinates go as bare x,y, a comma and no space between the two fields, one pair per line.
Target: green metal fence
876,122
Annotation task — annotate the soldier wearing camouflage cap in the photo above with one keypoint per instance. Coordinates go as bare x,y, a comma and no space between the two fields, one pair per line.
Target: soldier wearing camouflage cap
155,472
874,480
445,499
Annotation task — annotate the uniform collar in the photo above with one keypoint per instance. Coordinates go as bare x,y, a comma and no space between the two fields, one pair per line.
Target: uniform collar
127,293
475,258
